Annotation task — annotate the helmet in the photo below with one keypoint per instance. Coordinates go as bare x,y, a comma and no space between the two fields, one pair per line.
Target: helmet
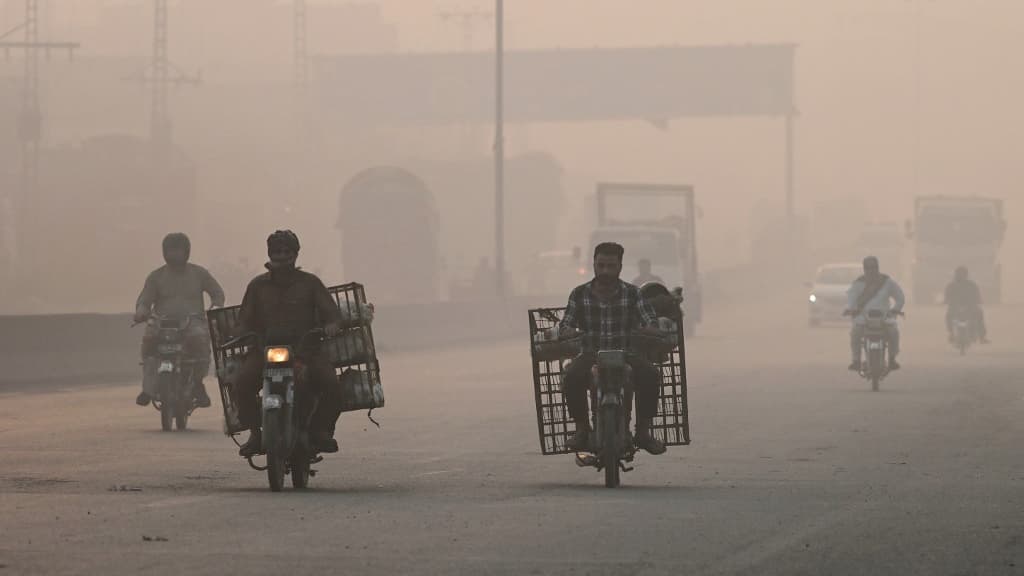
177,240
286,238
871,264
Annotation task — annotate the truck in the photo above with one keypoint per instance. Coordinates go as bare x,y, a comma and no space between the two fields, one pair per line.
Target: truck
956,231
657,223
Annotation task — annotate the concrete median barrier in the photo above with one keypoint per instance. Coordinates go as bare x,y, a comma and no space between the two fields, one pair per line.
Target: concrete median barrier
71,348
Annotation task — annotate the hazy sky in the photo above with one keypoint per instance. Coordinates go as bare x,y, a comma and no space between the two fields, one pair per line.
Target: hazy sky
896,97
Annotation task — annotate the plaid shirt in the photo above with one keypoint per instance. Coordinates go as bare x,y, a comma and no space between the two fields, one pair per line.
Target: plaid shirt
606,325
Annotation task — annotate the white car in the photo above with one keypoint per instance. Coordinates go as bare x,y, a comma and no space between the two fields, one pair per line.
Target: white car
827,299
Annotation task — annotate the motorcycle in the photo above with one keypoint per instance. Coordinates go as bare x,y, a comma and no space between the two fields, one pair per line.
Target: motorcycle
175,371
287,409
611,391
963,332
875,347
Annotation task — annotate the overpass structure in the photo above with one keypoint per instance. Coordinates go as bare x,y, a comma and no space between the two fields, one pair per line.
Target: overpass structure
655,84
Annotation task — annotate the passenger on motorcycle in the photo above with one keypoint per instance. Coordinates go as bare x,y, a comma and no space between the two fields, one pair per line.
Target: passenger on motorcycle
964,297
176,290
290,301
604,310
874,291
645,275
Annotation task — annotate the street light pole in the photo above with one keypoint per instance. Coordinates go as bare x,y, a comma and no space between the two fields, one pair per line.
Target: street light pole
499,150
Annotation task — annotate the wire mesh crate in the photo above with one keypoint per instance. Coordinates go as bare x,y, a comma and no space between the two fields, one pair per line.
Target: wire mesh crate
352,354
550,359
223,324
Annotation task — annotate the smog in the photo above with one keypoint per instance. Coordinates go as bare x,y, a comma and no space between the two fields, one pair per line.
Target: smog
748,156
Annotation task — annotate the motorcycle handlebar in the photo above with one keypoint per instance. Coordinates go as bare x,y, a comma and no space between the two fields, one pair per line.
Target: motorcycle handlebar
237,340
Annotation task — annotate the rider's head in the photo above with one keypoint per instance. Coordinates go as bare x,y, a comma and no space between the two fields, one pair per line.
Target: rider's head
608,261
871,269
177,249
283,249
961,274
643,265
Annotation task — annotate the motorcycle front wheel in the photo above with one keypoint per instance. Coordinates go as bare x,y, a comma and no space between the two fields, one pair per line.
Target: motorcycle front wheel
611,445
275,455
167,401
875,359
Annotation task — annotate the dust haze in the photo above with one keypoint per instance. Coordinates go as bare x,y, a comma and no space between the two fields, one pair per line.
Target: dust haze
892,100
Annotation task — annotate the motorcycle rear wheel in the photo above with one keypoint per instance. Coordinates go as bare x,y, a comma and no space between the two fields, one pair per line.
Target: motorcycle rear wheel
611,445
300,471
181,417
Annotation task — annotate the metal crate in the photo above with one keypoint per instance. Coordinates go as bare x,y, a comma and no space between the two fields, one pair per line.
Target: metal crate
223,324
671,425
353,355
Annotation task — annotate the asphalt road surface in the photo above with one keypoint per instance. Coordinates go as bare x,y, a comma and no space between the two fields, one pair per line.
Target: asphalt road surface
796,467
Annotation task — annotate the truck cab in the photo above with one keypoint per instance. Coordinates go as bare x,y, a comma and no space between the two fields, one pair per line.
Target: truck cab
654,222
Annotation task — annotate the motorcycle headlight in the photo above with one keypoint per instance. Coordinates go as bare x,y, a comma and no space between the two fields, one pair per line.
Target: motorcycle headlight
278,355
813,298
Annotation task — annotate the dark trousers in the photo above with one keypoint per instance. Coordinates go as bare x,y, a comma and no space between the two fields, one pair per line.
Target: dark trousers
315,378
646,386
973,314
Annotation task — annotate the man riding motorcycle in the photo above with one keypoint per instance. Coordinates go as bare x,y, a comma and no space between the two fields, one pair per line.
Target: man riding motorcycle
964,297
287,300
176,290
604,310
874,291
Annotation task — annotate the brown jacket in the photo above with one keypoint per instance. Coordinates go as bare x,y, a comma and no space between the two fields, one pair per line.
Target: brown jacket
289,303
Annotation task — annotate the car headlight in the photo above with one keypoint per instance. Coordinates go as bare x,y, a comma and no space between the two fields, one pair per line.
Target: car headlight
813,298
278,355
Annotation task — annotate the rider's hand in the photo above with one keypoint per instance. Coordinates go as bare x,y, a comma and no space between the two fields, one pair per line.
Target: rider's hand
331,330
140,317
651,330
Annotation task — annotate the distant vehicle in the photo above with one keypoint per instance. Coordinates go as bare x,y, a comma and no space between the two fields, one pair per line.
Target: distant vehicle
956,231
556,272
875,348
827,299
655,222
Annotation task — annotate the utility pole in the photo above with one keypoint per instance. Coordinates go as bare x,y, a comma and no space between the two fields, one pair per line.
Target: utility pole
161,76
20,214
300,79
499,148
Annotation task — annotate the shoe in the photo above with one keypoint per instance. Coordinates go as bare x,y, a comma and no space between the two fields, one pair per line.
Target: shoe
649,443
143,399
893,365
984,340
854,367
580,440
202,398
252,447
327,445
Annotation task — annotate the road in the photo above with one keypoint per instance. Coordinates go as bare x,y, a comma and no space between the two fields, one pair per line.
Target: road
796,467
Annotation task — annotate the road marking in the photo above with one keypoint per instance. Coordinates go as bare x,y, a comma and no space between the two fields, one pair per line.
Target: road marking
436,472
177,501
